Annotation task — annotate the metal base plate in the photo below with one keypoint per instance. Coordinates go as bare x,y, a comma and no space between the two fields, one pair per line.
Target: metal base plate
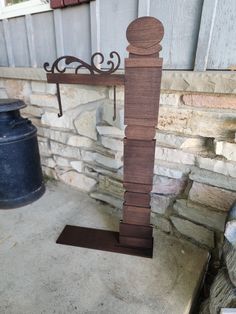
99,240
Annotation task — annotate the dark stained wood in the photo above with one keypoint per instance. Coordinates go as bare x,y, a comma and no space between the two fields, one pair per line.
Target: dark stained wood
137,199
143,71
136,215
86,79
138,132
137,187
139,161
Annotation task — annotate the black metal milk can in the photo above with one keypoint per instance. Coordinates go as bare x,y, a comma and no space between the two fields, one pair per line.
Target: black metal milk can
21,179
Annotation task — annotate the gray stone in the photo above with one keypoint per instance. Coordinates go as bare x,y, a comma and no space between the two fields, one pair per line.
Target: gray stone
201,214
193,231
230,258
78,180
222,293
218,165
61,162
79,141
160,203
113,144
212,178
108,113
64,150
51,119
44,148
174,155
85,124
49,162
161,223
78,165
111,131
3,93
166,171
107,198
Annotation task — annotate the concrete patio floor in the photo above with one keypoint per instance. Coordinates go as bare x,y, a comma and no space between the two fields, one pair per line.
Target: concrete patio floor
38,276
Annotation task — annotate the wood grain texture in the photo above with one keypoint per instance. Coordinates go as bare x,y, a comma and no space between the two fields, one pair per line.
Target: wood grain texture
136,215
140,132
137,199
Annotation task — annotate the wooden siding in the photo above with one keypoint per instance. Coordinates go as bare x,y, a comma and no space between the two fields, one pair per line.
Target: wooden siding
199,34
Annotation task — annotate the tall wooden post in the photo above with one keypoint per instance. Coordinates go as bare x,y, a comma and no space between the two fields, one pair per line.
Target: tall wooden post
142,80
143,71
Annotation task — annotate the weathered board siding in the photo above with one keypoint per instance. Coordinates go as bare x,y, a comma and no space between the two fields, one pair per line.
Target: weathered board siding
199,34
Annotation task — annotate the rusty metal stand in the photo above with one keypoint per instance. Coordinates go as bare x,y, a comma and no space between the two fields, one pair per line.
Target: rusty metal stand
142,81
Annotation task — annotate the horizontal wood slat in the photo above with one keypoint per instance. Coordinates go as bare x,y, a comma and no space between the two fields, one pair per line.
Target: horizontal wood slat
143,63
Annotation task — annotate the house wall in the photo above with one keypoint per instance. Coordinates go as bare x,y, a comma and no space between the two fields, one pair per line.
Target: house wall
194,182
199,34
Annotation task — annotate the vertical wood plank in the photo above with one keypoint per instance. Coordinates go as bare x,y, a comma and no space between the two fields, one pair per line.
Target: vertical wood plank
95,27
30,39
8,42
57,16
143,8
205,34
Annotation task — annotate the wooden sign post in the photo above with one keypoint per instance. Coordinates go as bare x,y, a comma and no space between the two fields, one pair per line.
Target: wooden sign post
142,81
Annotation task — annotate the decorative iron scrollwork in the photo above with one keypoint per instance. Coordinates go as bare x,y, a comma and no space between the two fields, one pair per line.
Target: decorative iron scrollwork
92,68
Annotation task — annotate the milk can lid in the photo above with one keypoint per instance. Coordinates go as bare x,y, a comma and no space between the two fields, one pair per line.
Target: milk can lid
11,104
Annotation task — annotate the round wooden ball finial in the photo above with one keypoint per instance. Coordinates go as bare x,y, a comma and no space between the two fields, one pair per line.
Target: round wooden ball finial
144,35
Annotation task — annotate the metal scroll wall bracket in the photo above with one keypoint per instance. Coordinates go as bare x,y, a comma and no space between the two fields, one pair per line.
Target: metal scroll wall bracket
142,81
57,74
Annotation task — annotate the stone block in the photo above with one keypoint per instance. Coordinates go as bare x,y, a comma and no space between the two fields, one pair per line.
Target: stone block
226,149
51,119
49,172
62,162
48,162
44,148
113,144
194,144
174,120
193,231
64,150
174,155
3,93
58,136
212,178
111,186
76,95
32,111
79,141
160,203
116,202
169,99
166,186
200,214
210,101
19,89
108,113
161,223
44,101
110,131
108,162
85,124
218,165
167,171
212,196
78,180
38,87
77,165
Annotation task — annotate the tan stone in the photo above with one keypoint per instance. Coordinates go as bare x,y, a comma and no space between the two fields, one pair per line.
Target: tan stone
164,185
210,101
51,119
111,186
169,99
78,180
85,124
174,120
32,111
79,141
212,196
19,89
44,101
226,149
